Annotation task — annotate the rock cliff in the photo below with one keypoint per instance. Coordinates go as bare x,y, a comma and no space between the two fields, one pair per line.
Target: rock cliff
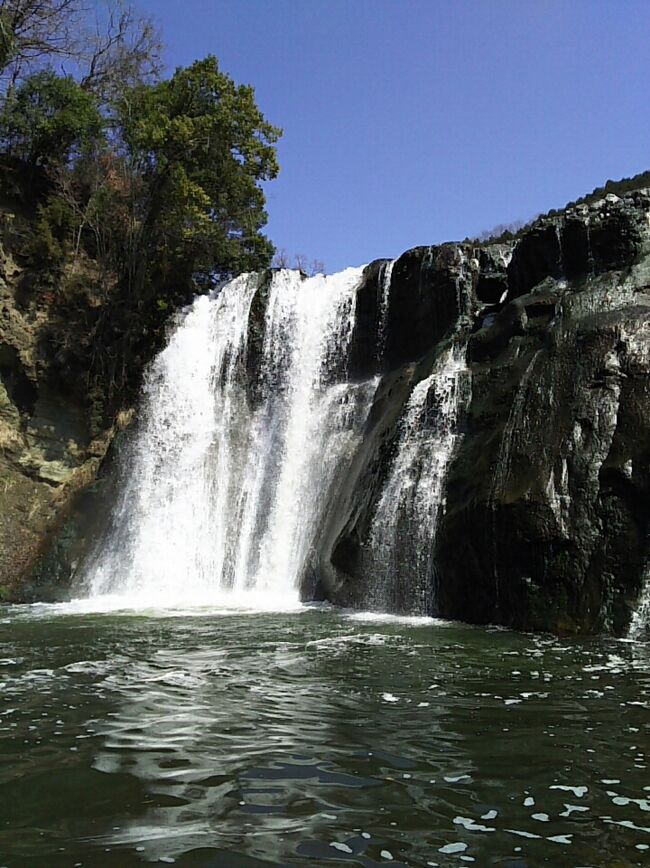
48,450
546,519
546,513
56,422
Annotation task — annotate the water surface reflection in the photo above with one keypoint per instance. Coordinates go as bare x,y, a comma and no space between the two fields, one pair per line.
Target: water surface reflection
317,738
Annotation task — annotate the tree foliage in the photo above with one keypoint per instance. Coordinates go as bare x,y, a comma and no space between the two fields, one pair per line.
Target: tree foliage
202,147
155,184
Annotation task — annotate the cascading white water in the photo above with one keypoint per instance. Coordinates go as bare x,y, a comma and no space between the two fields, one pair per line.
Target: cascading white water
399,554
226,486
640,624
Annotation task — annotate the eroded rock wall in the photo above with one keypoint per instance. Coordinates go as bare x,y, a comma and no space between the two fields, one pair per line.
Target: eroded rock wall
546,519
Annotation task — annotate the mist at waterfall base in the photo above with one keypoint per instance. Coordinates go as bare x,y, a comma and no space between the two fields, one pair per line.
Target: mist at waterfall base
186,709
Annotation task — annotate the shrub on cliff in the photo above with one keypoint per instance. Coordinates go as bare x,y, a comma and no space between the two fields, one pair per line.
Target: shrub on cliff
49,119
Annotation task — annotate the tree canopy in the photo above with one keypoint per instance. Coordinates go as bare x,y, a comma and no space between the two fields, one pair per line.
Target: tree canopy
171,167
201,146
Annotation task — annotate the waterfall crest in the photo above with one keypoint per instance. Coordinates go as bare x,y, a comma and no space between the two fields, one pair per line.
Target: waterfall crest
225,487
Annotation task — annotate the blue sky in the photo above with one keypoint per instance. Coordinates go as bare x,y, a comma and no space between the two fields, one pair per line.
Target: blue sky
418,121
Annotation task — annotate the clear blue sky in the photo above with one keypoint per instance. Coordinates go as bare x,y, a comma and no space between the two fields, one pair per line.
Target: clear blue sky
417,121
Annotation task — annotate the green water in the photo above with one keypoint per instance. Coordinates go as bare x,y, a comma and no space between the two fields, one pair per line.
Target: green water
314,738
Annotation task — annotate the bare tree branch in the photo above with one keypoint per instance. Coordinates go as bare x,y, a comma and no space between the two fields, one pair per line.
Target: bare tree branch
40,29
281,258
125,48
110,46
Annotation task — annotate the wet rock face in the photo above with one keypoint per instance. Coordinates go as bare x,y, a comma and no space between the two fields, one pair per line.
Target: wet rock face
547,515
586,241
492,280
550,488
405,308
424,302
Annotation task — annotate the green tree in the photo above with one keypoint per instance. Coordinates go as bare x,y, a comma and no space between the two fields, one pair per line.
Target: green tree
202,148
7,41
50,119
145,193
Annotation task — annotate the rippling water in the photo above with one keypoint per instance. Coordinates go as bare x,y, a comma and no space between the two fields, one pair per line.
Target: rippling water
239,739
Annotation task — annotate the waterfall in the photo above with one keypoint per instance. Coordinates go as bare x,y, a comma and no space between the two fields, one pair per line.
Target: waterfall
640,624
226,483
513,425
385,278
399,554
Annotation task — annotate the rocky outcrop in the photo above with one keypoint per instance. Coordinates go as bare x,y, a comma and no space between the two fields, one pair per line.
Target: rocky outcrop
546,516
51,444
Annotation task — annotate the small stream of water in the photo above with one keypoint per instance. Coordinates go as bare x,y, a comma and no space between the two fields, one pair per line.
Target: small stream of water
399,555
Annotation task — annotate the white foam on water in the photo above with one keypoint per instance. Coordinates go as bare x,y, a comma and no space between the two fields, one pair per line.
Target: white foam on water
387,618
453,848
338,845
172,606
